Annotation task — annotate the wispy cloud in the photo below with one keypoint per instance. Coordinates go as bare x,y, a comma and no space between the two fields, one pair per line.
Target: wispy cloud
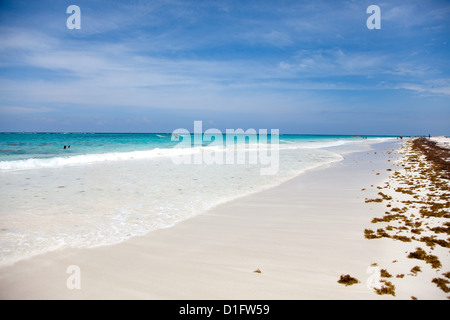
22,110
429,88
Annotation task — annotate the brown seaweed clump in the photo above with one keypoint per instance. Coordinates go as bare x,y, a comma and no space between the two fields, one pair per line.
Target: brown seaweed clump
387,288
416,270
347,280
420,254
442,284
434,154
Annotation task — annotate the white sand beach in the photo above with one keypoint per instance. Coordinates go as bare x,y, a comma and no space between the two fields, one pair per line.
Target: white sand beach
442,141
302,236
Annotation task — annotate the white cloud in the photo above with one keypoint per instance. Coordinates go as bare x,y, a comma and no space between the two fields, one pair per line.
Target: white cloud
436,87
277,38
326,63
23,110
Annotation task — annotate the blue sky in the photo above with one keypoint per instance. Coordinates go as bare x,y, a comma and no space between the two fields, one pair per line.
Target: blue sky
154,66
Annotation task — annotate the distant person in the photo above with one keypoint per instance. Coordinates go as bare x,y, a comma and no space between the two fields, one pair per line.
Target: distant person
64,147
68,147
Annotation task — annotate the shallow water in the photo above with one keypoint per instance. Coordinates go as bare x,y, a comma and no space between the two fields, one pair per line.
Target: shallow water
92,203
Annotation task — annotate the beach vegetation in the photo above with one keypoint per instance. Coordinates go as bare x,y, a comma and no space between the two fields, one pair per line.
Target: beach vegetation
423,178
388,218
420,254
386,288
415,270
347,280
369,234
403,190
385,274
401,238
442,284
384,196
432,241
373,200
381,233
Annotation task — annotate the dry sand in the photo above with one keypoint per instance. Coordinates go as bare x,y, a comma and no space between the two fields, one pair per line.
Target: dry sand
442,141
302,235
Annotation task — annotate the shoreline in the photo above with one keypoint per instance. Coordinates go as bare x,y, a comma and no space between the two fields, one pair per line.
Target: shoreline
300,242
103,204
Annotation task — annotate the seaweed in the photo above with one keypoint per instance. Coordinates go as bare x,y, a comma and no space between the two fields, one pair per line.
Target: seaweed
423,178
385,274
420,254
347,280
415,270
387,288
442,284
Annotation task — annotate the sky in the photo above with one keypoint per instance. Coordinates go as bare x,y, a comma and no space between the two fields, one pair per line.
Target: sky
306,67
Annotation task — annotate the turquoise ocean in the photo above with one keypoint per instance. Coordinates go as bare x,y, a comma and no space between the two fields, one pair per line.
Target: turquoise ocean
34,150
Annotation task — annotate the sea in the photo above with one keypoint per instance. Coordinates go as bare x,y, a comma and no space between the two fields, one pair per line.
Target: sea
83,190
